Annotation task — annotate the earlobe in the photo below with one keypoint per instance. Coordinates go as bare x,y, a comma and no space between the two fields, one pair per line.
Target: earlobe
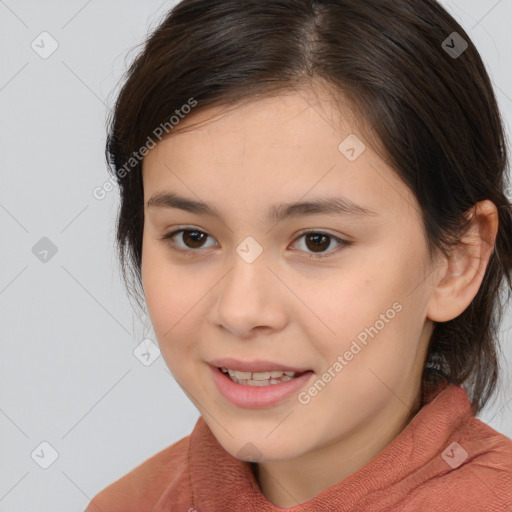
465,268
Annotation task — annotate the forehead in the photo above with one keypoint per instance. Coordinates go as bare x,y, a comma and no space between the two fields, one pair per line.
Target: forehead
278,148
298,119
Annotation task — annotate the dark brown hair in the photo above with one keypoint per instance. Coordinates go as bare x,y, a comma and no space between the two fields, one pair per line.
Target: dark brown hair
433,115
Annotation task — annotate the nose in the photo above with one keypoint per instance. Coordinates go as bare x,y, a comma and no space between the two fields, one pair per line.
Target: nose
250,299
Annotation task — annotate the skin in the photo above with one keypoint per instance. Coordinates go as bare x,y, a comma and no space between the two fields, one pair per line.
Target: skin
286,307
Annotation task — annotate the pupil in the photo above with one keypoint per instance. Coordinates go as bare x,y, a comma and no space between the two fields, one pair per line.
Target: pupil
195,234
316,238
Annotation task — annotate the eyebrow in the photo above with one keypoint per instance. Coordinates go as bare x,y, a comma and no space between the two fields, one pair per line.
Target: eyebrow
276,213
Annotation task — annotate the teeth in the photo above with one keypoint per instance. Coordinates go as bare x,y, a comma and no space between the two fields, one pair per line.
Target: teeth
259,378
264,375
242,375
257,375
261,382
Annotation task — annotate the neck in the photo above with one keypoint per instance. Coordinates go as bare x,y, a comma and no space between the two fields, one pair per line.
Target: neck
293,482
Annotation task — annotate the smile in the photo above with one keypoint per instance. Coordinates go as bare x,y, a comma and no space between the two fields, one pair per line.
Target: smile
258,389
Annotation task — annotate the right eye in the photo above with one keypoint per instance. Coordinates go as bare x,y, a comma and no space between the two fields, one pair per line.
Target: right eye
191,238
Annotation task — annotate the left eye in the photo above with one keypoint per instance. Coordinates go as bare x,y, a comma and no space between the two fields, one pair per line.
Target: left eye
318,240
194,239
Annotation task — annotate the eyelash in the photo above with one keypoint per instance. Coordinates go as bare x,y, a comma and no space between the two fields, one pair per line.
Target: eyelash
343,243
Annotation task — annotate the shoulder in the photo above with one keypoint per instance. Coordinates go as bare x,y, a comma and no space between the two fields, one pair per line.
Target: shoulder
476,469
140,489
488,448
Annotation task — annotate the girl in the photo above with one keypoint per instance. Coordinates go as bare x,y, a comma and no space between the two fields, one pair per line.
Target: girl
313,210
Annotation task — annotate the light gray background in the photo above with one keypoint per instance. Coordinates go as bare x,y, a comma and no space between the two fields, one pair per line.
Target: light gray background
68,373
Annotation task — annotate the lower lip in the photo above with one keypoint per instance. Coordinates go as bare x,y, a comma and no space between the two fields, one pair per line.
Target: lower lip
257,397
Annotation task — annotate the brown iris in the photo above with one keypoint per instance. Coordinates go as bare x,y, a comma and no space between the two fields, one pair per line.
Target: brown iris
319,240
193,239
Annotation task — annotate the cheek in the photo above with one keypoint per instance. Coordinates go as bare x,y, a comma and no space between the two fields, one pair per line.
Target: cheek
353,299
370,309
173,303
166,307
161,282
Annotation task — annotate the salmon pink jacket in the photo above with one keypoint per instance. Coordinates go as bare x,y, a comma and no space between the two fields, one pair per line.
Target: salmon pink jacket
444,460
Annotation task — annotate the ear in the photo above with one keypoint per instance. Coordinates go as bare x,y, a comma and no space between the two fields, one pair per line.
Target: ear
462,273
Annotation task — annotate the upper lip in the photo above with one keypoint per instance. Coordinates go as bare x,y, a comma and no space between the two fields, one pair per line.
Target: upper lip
255,366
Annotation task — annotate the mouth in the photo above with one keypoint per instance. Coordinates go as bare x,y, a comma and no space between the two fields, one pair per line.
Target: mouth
260,389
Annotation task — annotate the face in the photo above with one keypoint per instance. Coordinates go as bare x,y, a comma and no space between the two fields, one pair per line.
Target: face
341,293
